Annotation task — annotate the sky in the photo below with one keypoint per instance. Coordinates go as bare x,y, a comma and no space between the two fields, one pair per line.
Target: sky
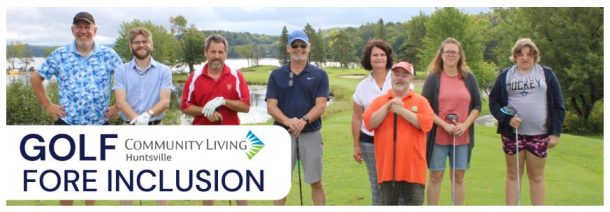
50,26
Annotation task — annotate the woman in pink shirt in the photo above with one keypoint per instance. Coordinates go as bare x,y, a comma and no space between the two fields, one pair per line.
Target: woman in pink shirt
453,93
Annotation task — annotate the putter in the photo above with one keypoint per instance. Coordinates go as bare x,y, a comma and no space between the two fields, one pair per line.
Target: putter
299,170
511,111
394,153
453,118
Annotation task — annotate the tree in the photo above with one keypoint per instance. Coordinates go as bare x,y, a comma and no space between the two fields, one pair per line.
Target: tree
342,49
12,54
166,48
193,45
320,55
450,22
380,30
179,24
415,30
283,56
27,57
316,53
251,52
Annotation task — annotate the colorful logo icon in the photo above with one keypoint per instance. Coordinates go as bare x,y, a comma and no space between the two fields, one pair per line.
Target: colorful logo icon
255,145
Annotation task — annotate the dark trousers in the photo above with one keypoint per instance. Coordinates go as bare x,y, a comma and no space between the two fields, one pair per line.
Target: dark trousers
412,193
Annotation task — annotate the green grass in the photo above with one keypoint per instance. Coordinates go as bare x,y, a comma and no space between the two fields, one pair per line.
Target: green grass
574,171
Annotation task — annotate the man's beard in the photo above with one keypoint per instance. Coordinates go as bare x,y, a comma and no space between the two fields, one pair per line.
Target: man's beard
215,64
400,87
299,58
84,44
141,57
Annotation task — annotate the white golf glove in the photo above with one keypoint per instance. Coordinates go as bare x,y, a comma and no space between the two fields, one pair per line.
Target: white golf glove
142,119
211,106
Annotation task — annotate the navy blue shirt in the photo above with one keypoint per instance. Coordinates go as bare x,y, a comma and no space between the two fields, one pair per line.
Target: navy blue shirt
296,95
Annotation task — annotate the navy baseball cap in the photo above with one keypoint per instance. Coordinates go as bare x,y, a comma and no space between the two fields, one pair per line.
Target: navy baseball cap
298,35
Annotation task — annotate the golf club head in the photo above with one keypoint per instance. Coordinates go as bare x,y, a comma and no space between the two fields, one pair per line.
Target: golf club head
452,117
508,110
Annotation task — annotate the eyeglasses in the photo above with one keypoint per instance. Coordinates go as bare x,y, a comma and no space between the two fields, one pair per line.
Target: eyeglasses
140,42
450,53
290,79
296,45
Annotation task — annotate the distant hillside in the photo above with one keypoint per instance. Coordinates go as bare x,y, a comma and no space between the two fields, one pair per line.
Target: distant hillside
268,44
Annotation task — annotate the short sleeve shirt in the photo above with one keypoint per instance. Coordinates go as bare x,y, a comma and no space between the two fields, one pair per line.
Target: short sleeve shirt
83,82
366,91
297,95
409,163
200,88
142,87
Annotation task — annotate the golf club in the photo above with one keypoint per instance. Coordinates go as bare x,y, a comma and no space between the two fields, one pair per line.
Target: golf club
299,170
394,153
453,118
511,111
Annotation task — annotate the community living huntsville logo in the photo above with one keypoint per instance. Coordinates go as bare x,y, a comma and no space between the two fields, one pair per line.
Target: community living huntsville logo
255,145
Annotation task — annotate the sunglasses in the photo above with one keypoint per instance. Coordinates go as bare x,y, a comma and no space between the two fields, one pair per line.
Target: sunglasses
290,79
296,45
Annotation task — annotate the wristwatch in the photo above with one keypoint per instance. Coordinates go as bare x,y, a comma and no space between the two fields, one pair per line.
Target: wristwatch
305,118
151,112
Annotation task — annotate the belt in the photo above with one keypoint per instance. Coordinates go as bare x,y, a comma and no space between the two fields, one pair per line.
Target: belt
157,122
366,138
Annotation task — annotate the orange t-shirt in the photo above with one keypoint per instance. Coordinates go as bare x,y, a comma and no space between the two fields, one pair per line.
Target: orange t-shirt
410,143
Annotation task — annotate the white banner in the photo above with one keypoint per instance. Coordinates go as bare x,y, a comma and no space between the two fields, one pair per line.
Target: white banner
147,162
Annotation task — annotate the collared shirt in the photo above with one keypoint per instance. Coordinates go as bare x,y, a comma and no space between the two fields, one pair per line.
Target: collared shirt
297,98
230,85
142,87
410,149
367,90
83,82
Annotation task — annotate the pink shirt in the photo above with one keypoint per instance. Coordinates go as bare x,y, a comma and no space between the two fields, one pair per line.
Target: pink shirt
453,98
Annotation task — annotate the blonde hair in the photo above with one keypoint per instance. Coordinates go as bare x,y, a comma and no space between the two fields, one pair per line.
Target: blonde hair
522,43
133,33
436,66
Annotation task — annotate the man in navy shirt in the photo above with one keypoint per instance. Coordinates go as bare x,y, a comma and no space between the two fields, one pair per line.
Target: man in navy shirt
297,94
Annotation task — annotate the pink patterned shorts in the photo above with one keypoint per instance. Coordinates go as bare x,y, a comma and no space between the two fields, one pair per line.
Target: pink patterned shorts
536,144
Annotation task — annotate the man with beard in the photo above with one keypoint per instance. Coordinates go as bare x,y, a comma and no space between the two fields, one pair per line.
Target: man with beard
296,97
400,119
142,86
83,70
216,93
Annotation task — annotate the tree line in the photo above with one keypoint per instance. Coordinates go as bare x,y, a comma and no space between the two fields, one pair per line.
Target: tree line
570,41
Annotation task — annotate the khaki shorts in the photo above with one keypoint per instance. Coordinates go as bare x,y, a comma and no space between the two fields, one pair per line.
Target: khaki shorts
310,148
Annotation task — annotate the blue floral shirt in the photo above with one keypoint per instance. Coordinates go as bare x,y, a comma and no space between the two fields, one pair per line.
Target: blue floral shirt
84,83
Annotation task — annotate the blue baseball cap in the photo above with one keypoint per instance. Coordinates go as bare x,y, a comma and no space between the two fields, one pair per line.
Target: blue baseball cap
298,35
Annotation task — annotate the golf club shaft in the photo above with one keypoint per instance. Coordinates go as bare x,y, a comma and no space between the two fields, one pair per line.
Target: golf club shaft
453,170
394,153
518,164
299,169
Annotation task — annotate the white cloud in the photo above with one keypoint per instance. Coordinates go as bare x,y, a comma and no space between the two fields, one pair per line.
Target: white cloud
51,25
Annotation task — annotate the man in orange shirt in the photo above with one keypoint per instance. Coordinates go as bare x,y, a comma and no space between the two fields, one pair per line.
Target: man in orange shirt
401,118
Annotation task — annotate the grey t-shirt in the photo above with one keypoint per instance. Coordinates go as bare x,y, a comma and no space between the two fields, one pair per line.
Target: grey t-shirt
527,93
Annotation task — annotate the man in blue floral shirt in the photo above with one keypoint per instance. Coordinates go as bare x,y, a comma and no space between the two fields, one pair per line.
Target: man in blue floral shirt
83,71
